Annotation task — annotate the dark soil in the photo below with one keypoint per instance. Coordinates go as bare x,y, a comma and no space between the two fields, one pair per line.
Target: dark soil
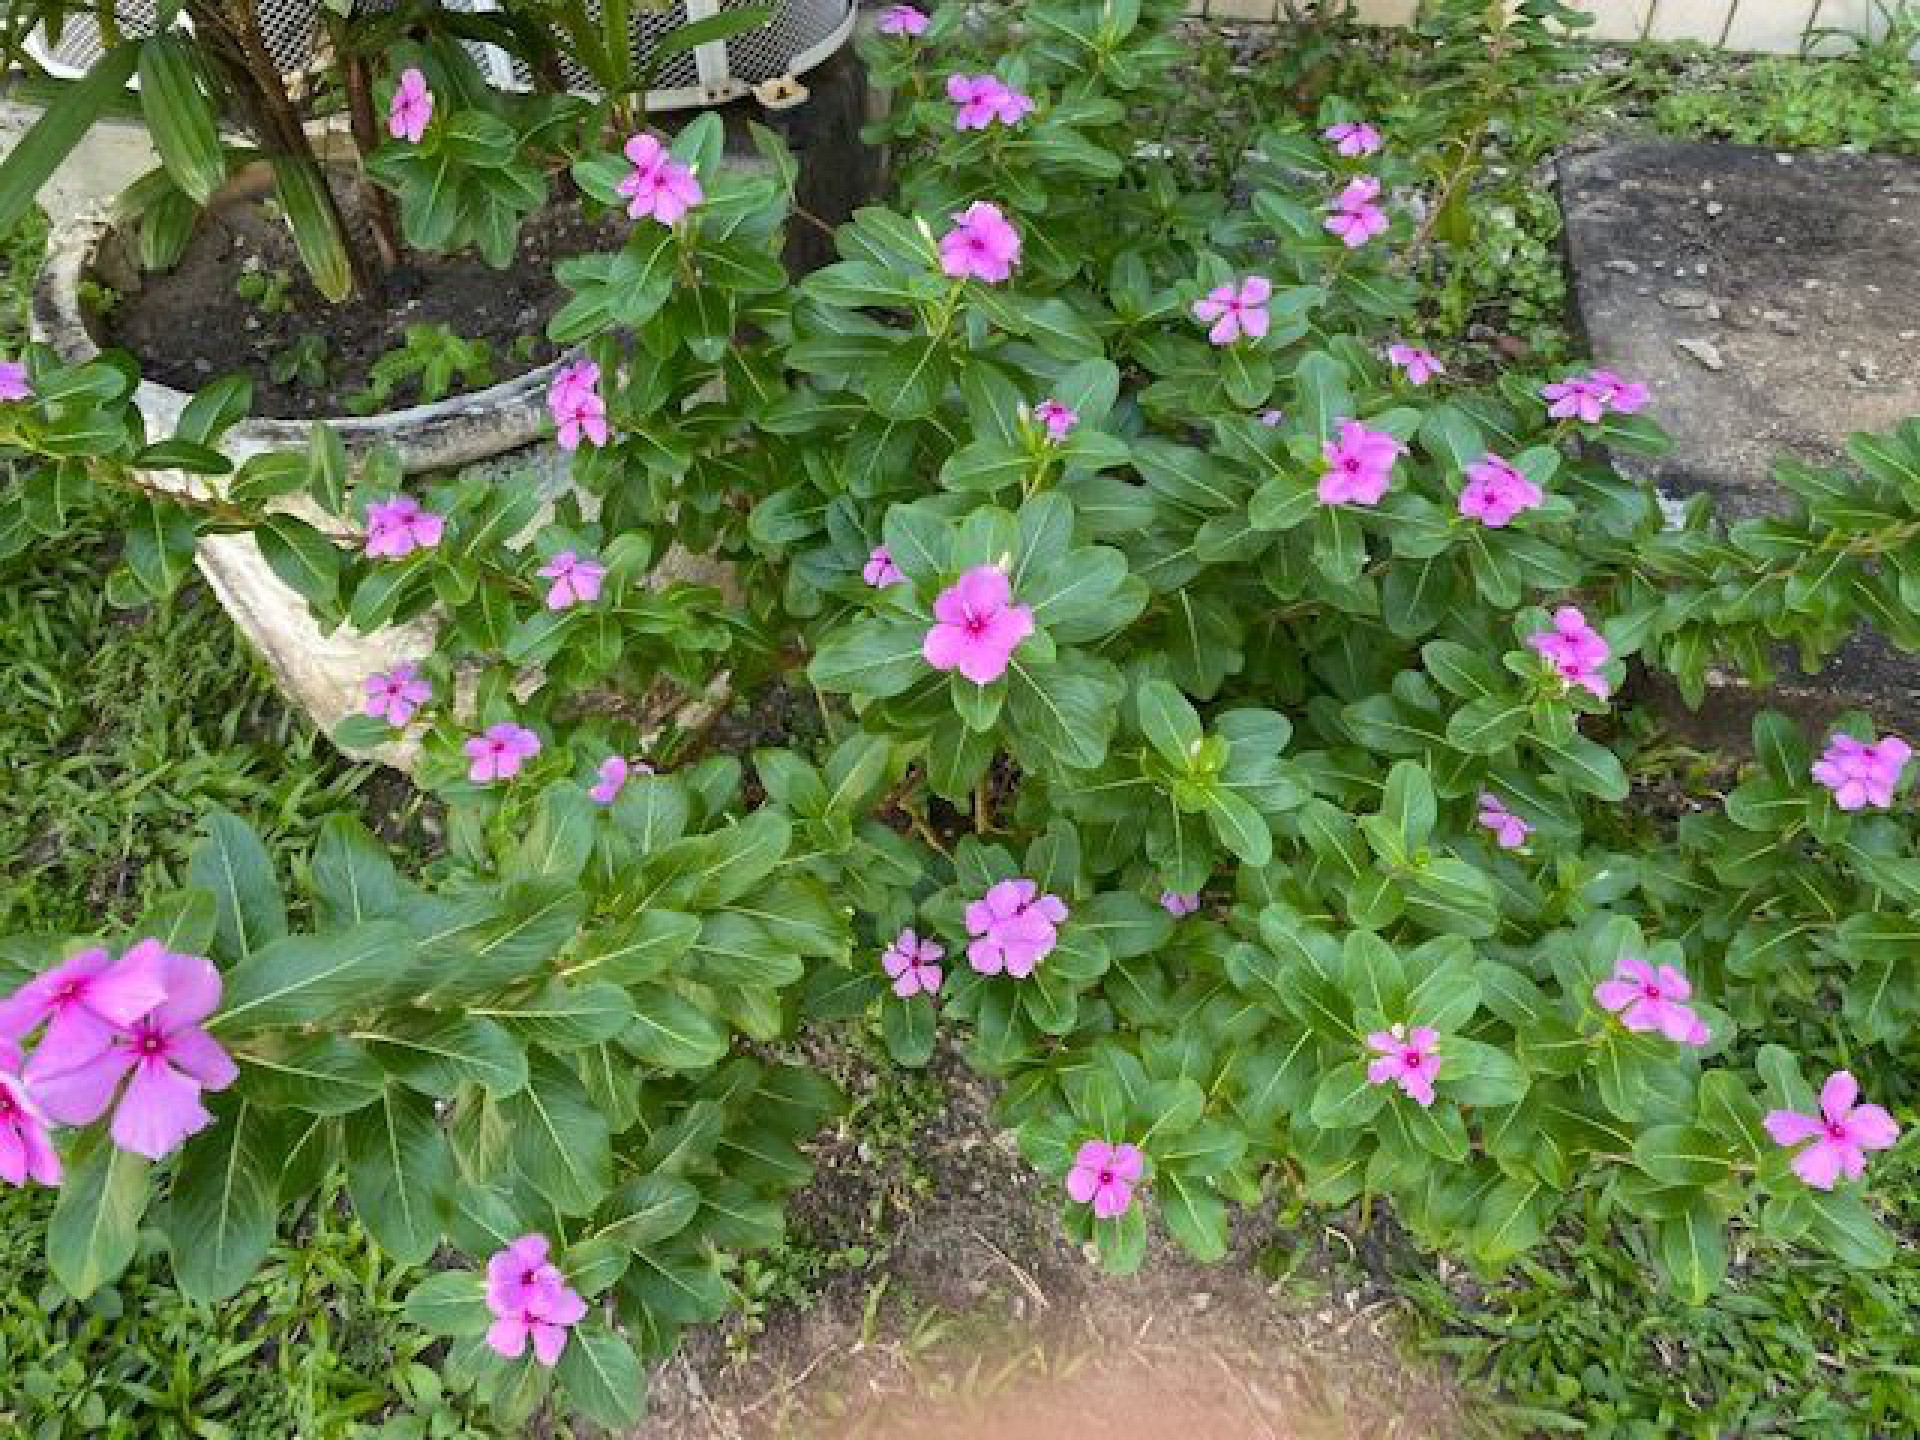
190,326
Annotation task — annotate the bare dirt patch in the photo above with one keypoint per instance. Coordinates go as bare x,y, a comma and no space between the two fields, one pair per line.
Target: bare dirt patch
945,1305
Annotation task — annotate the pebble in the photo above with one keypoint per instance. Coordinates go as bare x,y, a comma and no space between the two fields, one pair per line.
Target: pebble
1678,299
1716,209
1623,267
1705,351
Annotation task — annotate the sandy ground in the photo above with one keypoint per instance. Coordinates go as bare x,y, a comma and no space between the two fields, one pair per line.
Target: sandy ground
973,1319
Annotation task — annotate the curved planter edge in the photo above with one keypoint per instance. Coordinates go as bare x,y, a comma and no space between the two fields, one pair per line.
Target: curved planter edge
323,673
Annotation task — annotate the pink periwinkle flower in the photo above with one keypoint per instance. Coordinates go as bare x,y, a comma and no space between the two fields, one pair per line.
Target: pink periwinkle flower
1359,463
1353,138
499,751
576,580
982,245
1236,310
411,107
614,772
1842,1133
399,526
165,1057
1576,650
1407,1060
394,695
26,1152
1104,1175
1618,394
1272,419
1418,365
977,627
1648,999
1510,832
86,1000
1495,492
658,186
1056,418
902,20
530,1300
1179,903
575,403
14,384
1356,219
880,571
1862,772
913,965
1014,927
983,100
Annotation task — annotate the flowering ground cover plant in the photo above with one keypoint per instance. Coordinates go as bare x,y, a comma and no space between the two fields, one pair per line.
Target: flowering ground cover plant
1230,755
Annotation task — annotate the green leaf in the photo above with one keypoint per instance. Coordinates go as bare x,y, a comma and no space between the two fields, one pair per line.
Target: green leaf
302,557
1345,1098
96,1223
310,979
308,206
601,1375
438,1053
30,164
451,1304
560,1138
1683,1155
1693,1250
671,1031
231,864
320,1074
352,878
400,1174
875,658
1195,1215
180,118
224,1199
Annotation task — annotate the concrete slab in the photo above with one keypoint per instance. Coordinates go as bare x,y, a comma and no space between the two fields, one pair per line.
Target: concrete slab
1767,299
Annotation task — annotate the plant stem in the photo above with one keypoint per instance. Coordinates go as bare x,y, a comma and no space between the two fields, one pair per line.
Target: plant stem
366,139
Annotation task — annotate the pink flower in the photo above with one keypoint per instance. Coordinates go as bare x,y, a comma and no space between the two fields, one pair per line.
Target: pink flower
983,99
411,108
1359,463
1575,649
1646,999
574,400
1355,218
1056,418
658,185
982,245
576,580
1353,138
399,527
614,773
25,1151
1406,1060
1495,492
1419,366
1509,830
1236,310
902,20
1014,927
1104,1175
394,695
499,752
1273,418
1589,397
85,1000
1623,397
977,627
530,1299
166,1058
1179,903
1842,1133
1862,772
914,965
14,384
880,571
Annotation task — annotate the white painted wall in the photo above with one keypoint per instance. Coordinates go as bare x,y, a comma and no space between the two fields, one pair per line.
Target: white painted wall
1782,26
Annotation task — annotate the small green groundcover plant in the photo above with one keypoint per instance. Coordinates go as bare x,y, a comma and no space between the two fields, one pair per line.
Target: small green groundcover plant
1240,697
